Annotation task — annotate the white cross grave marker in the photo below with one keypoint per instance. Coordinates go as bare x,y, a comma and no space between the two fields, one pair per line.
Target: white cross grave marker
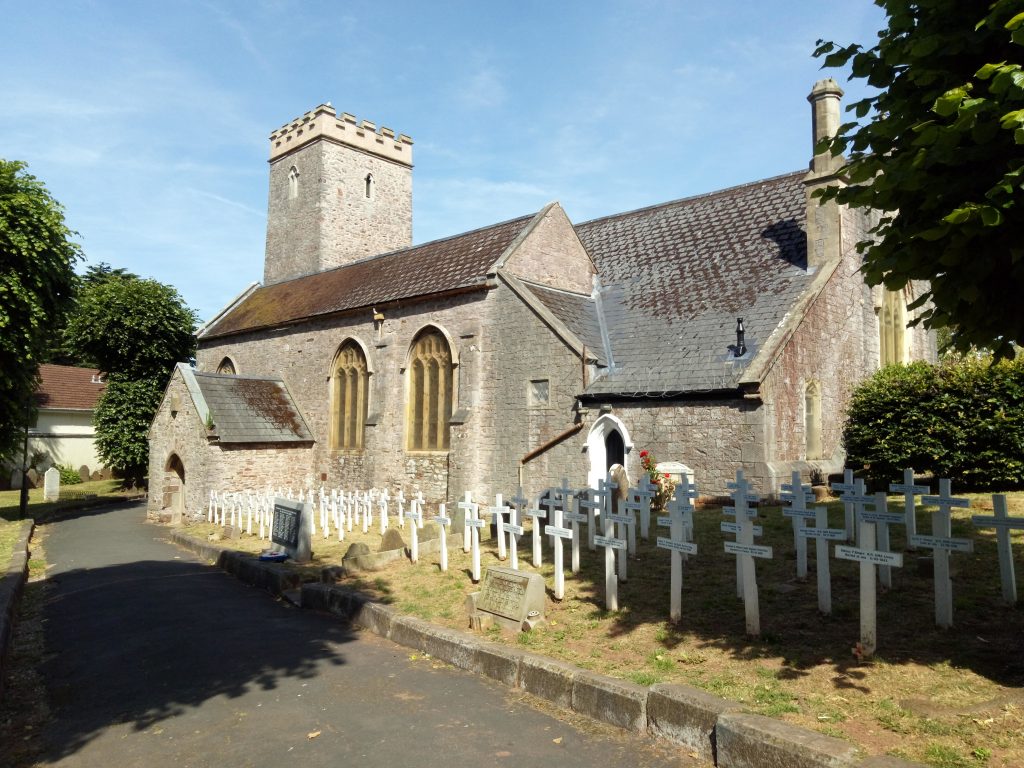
474,524
822,535
498,512
400,500
466,507
909,491
798,495
1003,523
567,498
537,515
847,488
644,494
591,505
610,544
745,550
941,542
882,518
441,519
558,533
678,508
514,529
213,506
416,516
868,557
419,503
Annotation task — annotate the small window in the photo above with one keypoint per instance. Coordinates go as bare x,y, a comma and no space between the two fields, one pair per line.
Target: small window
226,367
369,186
293,183
539,392
812,420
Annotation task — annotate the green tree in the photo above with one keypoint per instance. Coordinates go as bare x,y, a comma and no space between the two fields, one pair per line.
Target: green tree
37,276
135,330
131,327
941,158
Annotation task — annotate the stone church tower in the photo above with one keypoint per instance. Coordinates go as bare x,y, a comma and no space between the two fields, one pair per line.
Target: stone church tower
340,191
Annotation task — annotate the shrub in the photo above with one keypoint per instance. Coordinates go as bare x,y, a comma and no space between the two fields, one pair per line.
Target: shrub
962,420
68,474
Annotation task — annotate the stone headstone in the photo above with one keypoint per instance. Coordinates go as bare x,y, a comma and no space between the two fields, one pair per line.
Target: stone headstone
676,471
51,484
512,599
84,473
391,539
293,528
357,549
33,478
96,476
230,532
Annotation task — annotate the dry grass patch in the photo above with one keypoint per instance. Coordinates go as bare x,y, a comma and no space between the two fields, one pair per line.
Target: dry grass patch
945,698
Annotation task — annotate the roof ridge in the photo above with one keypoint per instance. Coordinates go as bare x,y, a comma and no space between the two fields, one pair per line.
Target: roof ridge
692,198
528,217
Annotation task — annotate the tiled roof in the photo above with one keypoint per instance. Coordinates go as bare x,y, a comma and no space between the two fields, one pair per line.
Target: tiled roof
65,386
249,409
677,276
442,265
577,312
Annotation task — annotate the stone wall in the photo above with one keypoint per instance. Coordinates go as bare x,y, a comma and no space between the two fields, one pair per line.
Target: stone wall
331,222
553,255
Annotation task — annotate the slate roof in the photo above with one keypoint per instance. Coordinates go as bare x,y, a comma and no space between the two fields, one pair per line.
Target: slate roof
577,312
677,276
454,263
68,387
250,409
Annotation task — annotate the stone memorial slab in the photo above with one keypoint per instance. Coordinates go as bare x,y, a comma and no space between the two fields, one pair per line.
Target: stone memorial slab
292,529
510,598
51,484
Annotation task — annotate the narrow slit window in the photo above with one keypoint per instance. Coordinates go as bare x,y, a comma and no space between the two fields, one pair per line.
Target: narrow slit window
369,186
293,183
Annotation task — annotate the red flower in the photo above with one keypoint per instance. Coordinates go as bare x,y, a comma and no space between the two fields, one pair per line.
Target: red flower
667,476
642,454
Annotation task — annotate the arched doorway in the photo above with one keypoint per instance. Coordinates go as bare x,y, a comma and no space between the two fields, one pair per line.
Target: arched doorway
174,485
607,443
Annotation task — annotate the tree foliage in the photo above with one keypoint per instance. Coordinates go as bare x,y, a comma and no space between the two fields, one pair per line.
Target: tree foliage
122,420
37,260
131,327
941,157
135,330
962,420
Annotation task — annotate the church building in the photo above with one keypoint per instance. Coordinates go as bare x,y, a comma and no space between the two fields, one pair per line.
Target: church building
723,331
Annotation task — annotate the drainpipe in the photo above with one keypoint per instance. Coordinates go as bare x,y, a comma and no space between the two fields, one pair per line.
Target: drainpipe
547,447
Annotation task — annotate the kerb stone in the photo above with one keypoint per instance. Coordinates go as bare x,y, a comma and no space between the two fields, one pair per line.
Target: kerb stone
753,741
686,716
448,645
612,701
549,679
375,617
499,662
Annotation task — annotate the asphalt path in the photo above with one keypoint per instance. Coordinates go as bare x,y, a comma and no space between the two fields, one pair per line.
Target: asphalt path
155,659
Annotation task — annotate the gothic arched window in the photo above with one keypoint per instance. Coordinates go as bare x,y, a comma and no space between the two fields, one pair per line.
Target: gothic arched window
293,183
226,366
348,408
369,186
430,392
892,327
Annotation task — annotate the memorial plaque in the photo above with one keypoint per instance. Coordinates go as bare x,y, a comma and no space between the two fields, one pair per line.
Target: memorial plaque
511,595
873,556
727,527
554,530
942,542
610,542
687,547
754,550
293,528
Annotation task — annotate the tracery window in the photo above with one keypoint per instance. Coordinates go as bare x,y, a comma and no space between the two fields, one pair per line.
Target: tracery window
430,393
226,366
892,327
348,409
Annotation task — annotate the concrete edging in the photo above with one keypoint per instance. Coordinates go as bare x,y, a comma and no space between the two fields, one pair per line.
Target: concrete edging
715,729
11,587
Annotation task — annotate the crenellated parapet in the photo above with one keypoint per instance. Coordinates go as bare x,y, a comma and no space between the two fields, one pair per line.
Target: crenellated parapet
324,123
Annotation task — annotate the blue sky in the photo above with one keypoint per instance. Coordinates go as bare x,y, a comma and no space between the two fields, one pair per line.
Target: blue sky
149,121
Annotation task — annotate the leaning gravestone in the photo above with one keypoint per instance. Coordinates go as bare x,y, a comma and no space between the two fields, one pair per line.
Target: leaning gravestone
293,529
391,539
510,598
51,484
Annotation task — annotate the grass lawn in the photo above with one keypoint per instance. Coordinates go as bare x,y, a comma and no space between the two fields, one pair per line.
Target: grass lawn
70,496
8,538
943,697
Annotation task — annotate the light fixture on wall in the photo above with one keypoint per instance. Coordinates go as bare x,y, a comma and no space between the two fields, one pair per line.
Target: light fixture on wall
741,345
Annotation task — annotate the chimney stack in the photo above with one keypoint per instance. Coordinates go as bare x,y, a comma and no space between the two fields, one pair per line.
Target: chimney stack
824,98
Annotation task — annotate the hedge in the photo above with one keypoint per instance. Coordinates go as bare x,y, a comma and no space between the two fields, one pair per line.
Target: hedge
961,420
